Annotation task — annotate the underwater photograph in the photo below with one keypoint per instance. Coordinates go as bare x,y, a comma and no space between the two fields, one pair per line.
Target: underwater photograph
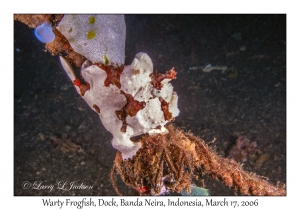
150,104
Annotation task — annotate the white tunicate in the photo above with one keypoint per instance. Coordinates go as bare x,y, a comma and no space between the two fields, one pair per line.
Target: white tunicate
44,32
96,36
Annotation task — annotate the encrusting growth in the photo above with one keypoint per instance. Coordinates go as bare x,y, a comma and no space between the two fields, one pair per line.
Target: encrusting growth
168,163
60,43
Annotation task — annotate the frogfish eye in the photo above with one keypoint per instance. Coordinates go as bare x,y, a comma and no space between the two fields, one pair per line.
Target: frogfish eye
44,33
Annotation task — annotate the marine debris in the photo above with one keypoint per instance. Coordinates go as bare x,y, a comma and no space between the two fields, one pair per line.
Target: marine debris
170,162
209,68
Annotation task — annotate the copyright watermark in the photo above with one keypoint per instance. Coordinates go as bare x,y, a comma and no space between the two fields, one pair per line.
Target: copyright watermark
26,185
61,185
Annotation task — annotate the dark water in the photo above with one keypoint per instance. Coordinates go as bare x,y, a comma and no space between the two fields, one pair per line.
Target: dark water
249,98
